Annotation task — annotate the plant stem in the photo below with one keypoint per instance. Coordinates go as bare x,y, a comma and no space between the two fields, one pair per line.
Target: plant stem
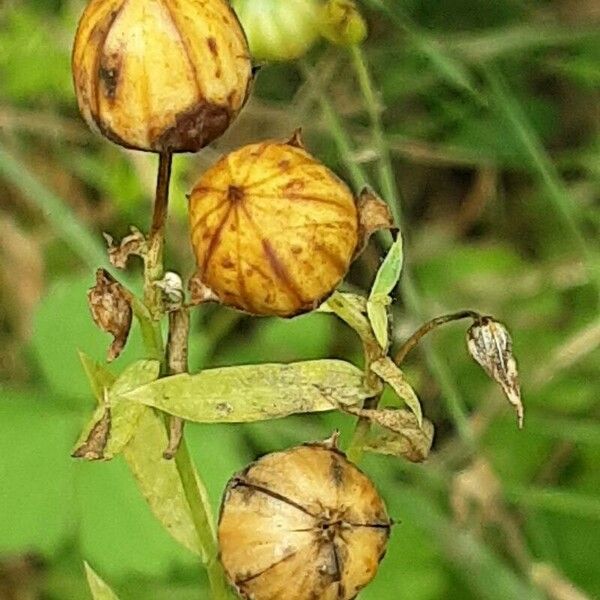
454,402
153,263
415,338
194,489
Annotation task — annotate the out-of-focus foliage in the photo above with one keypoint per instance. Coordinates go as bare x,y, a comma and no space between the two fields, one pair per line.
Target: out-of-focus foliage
491,112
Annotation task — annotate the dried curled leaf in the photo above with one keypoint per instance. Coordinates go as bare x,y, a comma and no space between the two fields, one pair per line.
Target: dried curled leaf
386,280
373,215
98,588
490,344
255,392
133,244
115,420
110,305
412,442
393,375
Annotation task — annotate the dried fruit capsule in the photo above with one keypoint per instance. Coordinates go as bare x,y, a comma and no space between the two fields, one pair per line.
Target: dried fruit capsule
302,524
160,75
274,230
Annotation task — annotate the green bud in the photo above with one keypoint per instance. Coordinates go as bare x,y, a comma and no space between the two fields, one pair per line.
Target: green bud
279,30
342,23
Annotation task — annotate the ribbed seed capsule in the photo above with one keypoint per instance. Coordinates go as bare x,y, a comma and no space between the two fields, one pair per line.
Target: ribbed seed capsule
302,524
160,75
274,230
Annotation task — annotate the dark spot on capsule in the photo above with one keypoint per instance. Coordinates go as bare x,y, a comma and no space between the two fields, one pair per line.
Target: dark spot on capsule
212,46
194,128
336,471
295,185
227,264
284,165
235,194
298,250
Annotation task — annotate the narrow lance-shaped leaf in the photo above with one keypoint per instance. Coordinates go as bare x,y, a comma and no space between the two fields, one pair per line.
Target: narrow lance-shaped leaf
255,392
490,344
159,481
99,589
379,299
391,374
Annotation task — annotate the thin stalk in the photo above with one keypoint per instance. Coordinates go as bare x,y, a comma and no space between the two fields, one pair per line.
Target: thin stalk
193,487
153,262
416,337
452,398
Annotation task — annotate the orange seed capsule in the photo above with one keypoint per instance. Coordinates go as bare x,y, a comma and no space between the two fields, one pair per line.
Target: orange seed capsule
274,230
302,524
160,75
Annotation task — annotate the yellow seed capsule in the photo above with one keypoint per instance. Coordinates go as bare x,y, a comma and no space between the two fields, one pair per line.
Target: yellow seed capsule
274,230
302,524
160,75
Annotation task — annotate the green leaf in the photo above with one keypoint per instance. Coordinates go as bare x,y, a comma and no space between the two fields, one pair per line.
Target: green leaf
99,589
385,281
115,420
99,377
255,392
391,374
159,480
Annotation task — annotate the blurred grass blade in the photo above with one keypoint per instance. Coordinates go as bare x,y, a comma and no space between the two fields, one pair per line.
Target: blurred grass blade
449,68
507,105
55,210
255,392
99,589
159,480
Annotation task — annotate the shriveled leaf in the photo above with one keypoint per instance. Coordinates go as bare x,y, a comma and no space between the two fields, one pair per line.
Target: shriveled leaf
115,420
159,480
490,344
393,375
373,215
99,589
255,392
133,244
94,439
110,305
403,436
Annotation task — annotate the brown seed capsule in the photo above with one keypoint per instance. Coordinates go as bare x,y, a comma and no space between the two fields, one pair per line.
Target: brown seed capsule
302,524
274,230
160,75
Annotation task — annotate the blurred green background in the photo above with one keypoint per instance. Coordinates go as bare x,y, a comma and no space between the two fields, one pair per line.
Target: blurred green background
491,113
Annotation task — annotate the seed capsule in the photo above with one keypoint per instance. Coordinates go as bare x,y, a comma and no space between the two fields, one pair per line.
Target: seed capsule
274,230
302,524
279,30
160,75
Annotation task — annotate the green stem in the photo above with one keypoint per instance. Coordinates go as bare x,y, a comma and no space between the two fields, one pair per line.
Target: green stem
193,487
426,328
438,367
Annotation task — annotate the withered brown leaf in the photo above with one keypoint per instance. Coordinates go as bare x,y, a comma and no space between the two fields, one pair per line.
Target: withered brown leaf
490,344
110,305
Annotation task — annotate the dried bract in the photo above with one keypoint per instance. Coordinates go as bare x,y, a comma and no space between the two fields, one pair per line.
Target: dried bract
302,524
274,230
110,305
490,344
160,75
